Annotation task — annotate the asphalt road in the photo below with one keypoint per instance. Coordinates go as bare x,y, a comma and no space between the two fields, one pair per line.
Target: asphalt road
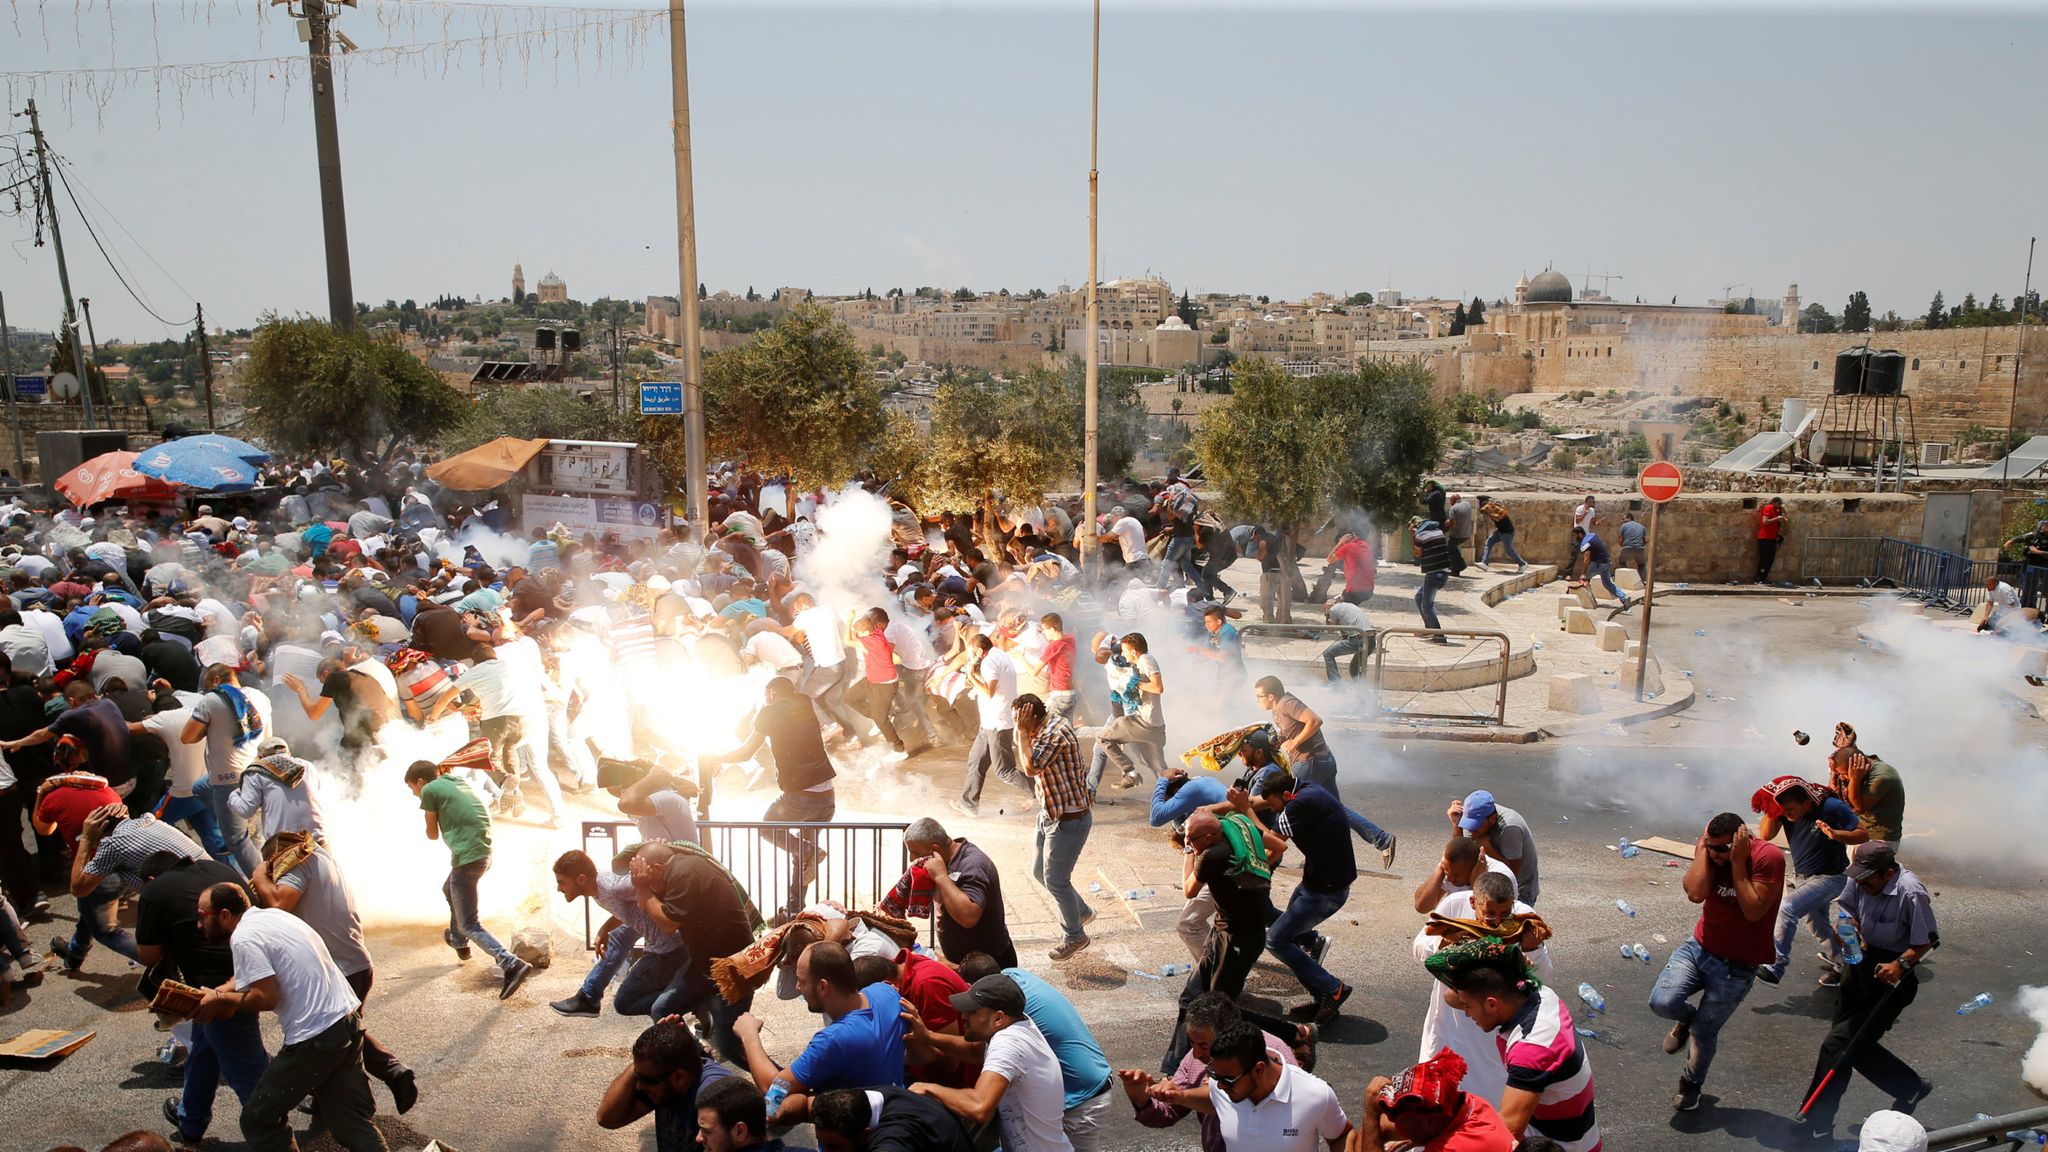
501,1077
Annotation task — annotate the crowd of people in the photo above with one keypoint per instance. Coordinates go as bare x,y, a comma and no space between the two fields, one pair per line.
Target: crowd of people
188,698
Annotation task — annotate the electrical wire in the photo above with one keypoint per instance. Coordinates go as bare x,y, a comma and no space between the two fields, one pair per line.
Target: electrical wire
132,239
104,255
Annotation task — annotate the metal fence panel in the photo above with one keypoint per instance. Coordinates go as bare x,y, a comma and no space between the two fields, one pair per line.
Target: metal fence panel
1839,559
1498,716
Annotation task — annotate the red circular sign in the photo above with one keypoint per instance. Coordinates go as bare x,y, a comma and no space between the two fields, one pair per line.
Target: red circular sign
1660,481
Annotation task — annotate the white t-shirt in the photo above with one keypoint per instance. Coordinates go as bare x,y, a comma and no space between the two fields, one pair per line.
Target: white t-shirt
771,649
188,761
1130,537
820,626
913,647
1148,703
312,992
998,669
521,658
2004,596
1298,1116
1584,515
1034,1104
491,682
1492,865
50,627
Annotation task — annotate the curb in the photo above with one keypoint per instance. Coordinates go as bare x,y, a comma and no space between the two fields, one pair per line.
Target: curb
1595,723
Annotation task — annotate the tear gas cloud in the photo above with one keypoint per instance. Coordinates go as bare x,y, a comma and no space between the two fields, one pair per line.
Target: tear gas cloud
2034,1069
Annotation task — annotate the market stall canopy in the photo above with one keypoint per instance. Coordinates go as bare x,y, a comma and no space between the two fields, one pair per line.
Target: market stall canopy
197,464
487,465
111,476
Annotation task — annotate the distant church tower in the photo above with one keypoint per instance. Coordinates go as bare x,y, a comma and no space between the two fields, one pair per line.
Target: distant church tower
518,282
1791,318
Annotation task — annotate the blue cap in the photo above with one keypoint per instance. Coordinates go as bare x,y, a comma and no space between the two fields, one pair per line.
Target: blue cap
1478,810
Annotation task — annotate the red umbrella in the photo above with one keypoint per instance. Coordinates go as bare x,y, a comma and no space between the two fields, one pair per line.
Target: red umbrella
111,476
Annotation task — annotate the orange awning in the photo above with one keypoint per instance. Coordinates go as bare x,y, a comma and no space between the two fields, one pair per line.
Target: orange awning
486,465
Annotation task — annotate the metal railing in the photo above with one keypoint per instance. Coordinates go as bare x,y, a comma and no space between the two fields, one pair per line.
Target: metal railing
1839,559
1316,632
2013,1130
858,863
1497,717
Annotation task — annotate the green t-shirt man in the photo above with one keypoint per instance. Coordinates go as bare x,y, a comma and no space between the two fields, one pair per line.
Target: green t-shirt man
464,821
1884,814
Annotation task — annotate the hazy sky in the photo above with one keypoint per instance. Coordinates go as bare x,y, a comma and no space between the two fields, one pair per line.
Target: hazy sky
1260,148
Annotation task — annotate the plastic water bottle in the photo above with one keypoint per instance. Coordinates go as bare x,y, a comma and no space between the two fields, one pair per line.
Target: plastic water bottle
1628,850
1699,631
1627,953
1640,953
1625,908
1588,1033
2020,1136
1852,944
1175,969
1595,1002
1974,1003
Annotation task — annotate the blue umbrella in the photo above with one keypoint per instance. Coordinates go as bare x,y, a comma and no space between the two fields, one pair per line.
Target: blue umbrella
239,449
197,465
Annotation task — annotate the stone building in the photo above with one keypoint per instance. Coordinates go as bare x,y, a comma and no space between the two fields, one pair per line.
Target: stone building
552,290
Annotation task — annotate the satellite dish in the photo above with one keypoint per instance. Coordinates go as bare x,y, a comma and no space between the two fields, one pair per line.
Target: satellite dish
65,385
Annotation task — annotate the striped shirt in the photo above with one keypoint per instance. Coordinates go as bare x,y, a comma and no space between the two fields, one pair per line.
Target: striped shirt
121,853
1056,766
1543,1055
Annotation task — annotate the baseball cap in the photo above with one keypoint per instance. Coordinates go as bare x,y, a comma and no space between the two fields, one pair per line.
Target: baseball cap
273,745
1870,858
1478,810
995,991
1889,1131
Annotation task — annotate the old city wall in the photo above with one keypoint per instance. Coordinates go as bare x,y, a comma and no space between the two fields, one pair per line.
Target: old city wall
958,353
1956,377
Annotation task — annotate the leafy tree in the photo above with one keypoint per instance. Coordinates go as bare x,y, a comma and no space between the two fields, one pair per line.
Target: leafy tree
963,293
1220,336
61,361
799,399
1475,314
1359,300
531,413
1020,435
1749,306
1856,313
751,294
1392,429
1816,318
312,389
1185,310
1458,321
1937,313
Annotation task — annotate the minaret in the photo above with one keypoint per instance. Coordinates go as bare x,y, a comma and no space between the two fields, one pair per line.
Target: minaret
1791,319
518,281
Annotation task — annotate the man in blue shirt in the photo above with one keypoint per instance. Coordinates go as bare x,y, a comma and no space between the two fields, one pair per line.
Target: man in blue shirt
1594,560
1085,1073
1314,821
861,1043
1788,803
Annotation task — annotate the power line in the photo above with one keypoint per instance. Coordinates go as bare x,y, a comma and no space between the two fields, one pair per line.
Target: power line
109,213
116,268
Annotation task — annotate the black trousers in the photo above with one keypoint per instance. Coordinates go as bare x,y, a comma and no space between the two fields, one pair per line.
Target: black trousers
1864,1007
1225,966
1766,555
377,1059
327,1067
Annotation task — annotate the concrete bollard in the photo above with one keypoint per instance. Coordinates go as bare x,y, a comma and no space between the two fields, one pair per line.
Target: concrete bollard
1613,635
1573,692
1566,604
1579,621
1586,596
1628,580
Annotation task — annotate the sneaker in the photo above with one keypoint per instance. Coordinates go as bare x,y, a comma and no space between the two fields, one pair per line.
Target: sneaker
575,1006
1069,949
515,975
1688,1097
460,944
1830,978
1228,597
895,756
1769,974
1318,949
1327,1008
1921,1092
61,949
1387,853
1130,780
1675,1039
177,1121
1305,1046
972,811
40,910
1087,917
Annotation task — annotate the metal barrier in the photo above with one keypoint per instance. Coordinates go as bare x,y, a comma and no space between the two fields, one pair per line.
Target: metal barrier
1498,716
857,865
2013,1130
1317,632
1839,559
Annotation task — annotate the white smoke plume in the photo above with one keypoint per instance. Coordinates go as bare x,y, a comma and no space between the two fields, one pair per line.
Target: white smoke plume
843,568
2034,1068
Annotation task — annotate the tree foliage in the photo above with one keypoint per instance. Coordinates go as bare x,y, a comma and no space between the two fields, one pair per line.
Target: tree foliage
532,413
1475,314
1816,318
1018,435
1937,313
1856,313
312,389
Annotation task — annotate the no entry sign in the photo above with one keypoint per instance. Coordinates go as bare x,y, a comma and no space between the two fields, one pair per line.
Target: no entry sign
1660,481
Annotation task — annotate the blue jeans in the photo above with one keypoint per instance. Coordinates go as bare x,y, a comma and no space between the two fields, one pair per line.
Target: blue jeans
1306,909
617,950
1321,770
1723,984
1605,574
228,1049
1058,846
460,889
234,831
1807,898
1351,645
196,812
1506,540
96,922
1425,596
667,983
1180,561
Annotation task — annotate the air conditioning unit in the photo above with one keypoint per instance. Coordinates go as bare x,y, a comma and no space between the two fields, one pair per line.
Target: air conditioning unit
1934,453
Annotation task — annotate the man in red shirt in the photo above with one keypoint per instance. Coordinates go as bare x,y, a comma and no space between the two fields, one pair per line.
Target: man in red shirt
1057,659
1737,880
63,802
929,986
1356,556
1425,1107
1770,529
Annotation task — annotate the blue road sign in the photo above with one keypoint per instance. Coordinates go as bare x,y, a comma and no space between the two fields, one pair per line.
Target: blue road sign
31,385
661,398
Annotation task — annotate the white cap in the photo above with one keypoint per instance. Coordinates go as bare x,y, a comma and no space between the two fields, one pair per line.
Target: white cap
1890,1131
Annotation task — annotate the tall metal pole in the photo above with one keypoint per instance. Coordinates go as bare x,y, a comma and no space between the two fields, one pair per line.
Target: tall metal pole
2013,408
696,482
13,414
341,293
206,365
1649,597
1089,478
85,382
78,361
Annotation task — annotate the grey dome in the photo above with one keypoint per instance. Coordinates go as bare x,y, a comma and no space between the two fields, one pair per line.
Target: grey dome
1549,287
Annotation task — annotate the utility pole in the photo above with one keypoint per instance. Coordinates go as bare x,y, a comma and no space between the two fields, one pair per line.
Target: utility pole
35,129
2018,361
85,379
1089,479
13,414
206,365
618,405
341,293
696,480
